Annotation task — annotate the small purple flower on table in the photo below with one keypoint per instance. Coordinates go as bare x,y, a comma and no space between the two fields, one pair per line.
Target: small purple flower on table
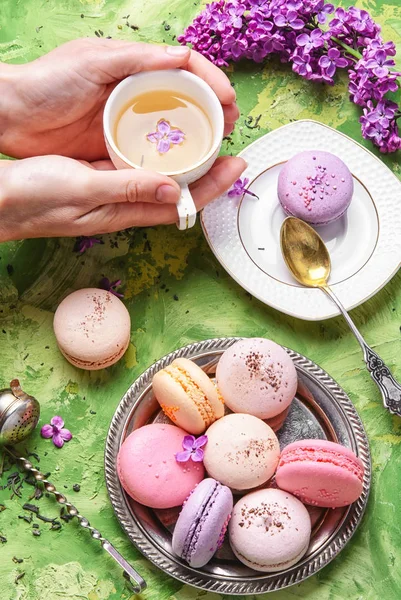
56,431
111,286
83,243
239,189
192,449
165,136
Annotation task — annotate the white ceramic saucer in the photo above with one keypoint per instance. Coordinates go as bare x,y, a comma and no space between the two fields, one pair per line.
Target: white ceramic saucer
365,244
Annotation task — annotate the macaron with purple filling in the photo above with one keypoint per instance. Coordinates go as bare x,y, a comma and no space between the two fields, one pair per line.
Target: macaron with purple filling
203,521
315,186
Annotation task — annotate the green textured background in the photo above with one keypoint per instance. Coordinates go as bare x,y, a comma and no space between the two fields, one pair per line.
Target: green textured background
67,564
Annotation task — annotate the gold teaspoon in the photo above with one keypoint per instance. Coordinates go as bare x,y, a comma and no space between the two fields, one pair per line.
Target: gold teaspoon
308,259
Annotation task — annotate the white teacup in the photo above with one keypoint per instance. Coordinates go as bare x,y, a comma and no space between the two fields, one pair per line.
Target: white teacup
182,82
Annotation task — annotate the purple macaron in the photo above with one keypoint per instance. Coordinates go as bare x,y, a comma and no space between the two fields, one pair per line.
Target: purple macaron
202,524
315,186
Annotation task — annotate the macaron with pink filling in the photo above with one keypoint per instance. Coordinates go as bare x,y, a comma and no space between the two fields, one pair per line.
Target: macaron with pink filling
269,530
315,186
148,468
320,473
256,376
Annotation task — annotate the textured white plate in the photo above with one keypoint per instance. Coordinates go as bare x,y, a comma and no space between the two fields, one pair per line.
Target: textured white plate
365,244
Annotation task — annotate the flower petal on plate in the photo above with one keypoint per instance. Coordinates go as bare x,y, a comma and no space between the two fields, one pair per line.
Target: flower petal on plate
47,431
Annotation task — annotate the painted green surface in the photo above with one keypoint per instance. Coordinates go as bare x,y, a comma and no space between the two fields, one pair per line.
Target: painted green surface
157,266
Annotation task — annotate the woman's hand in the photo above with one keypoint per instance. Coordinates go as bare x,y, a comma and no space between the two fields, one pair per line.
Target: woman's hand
54,104
53,196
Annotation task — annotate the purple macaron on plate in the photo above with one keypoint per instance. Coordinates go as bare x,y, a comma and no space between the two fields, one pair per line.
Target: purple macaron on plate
364,243
202,524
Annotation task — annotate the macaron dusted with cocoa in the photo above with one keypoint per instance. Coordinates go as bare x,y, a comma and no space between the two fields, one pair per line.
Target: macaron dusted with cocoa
257,376
92,328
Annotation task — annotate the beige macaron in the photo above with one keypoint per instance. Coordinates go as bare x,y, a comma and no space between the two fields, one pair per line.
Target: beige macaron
187,396
92,328
242,451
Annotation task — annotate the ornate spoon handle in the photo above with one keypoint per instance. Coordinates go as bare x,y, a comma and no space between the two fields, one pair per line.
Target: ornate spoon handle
136,582
390,388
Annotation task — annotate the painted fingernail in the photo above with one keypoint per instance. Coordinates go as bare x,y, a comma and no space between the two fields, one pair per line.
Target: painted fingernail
177,51
167,194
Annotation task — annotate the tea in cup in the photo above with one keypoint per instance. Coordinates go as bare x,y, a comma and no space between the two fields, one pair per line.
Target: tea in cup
168,121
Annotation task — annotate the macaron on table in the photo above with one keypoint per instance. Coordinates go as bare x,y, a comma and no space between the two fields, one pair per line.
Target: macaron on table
240,509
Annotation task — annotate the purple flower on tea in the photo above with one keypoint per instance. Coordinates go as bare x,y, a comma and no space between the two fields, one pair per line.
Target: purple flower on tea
192,449
111,286
56,431
165,136
239,188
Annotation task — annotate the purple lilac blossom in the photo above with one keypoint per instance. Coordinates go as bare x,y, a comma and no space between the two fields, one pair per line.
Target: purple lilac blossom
83,243
230,30
56,431
239,189
192,449
165,136
111,286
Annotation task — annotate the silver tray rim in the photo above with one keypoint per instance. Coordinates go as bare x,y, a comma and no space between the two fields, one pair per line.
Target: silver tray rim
268,582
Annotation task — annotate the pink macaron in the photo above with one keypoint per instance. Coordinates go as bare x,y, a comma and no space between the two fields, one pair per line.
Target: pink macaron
256,376
148,469
269,530
92,328
320,473
315,186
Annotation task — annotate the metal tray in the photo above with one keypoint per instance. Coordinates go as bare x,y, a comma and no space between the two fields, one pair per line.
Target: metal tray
321,409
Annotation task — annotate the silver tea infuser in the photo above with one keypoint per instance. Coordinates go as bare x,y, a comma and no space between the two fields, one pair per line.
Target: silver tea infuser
19,415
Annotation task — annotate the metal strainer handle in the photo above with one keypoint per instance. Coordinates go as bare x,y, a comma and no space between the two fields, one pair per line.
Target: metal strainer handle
135,581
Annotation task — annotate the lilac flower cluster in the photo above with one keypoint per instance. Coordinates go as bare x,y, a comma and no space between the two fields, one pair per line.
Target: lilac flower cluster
231,30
